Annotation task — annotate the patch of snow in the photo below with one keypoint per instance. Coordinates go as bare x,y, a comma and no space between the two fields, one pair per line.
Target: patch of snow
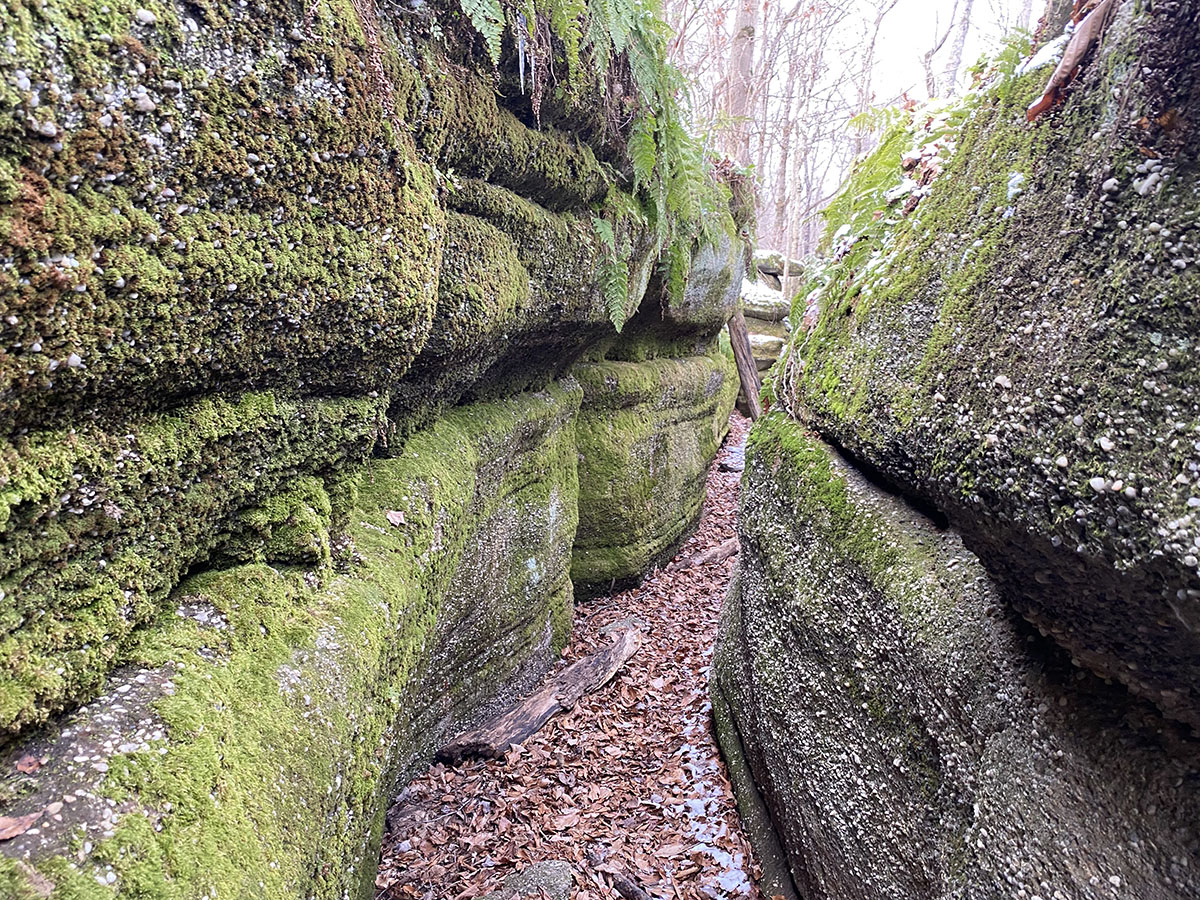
1049,55
903,189
1016,185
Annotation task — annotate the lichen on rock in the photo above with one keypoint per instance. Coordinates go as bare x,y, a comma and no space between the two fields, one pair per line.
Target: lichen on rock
912,737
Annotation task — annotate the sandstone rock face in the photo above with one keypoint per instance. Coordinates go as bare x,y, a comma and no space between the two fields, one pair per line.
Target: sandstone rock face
285,703
985,365
290,480
647,434
1001,706
913,737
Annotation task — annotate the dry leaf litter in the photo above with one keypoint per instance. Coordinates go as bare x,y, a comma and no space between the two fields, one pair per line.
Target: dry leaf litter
628,783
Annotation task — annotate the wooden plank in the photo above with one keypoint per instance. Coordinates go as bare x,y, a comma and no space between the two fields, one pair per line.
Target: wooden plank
747,370
495,737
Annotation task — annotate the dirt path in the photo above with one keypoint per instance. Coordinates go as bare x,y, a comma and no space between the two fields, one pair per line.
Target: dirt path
631,776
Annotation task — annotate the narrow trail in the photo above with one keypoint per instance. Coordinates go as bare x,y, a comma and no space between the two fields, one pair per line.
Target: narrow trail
629,781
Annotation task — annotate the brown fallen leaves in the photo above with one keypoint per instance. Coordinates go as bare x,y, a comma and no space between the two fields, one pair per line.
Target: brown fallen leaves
627,785
15,826
1088,29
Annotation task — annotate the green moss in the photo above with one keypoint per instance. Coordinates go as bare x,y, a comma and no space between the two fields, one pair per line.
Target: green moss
219,272
291,725
815,489
647,433
290,528
99,526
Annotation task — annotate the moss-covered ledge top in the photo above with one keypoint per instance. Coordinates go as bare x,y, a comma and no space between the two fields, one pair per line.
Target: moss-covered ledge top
1015,342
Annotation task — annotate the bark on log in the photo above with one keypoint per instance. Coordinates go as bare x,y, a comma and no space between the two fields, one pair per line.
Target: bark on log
713,554
623,883
747,371
493,738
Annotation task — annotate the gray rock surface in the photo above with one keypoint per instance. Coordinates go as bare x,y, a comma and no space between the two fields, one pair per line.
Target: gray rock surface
912,737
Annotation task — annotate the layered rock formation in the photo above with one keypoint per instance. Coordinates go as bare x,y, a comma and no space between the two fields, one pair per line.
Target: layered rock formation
293,461
993,692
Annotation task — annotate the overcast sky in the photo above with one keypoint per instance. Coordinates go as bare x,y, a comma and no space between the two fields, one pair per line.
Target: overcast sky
908,31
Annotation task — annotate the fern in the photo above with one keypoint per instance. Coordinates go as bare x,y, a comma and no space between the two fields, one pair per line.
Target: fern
677,266
676,193
614,274
643,150
487,16
565,16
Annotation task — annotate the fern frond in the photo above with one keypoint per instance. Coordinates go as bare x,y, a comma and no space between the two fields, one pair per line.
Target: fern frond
615,285
565,16
677,266
487,16
643,150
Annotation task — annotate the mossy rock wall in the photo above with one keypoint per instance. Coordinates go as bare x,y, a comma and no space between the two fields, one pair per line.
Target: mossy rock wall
912,737
1020,350
222,235
256,730
647,434
288,482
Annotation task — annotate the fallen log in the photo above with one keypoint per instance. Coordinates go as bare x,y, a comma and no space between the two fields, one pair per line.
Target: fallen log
493,738
623,882
744,358
722,551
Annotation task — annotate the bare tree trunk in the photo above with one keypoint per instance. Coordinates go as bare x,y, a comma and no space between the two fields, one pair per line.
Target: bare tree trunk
927,59
741,66
865,92
1026,19
950,76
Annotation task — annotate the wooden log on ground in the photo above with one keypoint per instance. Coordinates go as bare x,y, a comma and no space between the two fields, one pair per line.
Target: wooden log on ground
623,882
493,738
724,550
747,371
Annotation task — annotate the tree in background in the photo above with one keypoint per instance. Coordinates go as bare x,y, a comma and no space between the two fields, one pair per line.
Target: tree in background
774,84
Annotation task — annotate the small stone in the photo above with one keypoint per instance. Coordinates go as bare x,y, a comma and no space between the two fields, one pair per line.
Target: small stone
47,129
1106,444
1061,462
144,103
145,17
1077,421
1002,381
1097,484
75,361
1111,186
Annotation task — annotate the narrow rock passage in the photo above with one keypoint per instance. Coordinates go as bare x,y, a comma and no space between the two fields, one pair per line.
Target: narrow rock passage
629,781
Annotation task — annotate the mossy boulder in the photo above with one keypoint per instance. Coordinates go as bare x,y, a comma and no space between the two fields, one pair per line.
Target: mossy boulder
1018,347
912,737
250,743
762,302
646,433
516,303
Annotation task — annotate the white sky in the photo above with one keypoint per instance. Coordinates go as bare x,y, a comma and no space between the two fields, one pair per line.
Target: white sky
908,31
